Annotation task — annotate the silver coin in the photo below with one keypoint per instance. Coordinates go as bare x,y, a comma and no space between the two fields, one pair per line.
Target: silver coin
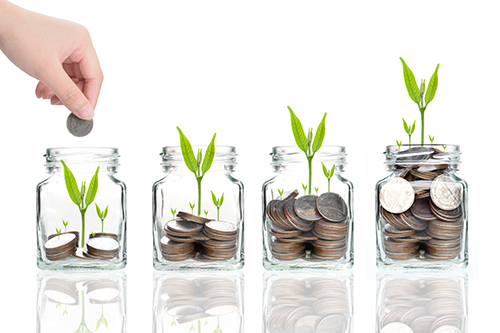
447,329
397,195
396,328
306,324
446,193
79,127
336,323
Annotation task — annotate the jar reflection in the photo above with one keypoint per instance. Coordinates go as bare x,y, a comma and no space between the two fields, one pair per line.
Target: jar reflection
199,302
308,302
422,302
81,302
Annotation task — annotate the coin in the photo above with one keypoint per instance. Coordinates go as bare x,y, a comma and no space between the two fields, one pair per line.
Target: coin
193,218
332,207
183,227
446,193
305,208
306,324
397,195
447,329
396,328
422,210
79,127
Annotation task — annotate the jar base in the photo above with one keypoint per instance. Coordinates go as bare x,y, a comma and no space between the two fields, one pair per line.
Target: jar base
418,265
78,264
300,264
193,265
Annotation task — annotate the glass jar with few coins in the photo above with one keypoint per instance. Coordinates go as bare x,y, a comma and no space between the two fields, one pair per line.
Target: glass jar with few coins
421,216
198,227
307,211
81,210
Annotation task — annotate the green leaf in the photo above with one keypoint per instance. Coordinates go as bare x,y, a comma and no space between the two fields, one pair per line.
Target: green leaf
221,200
410,82
433,85
105,212
214,199
98,324
325,170
320,135
218,330
94,184
98,210
407,130
209,156
332,171
105,322
298,131
187,152
71,186
413,127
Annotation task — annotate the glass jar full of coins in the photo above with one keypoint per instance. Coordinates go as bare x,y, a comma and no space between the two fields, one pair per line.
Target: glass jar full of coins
81,210
307,216
422,209
198,225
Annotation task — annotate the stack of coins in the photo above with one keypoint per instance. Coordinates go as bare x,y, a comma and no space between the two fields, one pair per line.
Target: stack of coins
422,306
60,246
194,237
310,227
102,247
308,305
421,211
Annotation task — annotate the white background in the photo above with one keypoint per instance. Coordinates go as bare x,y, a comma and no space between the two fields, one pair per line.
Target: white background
232,67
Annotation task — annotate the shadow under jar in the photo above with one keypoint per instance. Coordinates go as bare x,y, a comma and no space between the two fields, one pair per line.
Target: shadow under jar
189,231
422,216
305,229
81,210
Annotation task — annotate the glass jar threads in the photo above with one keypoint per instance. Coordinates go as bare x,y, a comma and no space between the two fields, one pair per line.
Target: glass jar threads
308,221
198,227
81,210
422,209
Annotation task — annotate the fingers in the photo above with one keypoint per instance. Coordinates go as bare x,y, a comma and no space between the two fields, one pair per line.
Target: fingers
90,69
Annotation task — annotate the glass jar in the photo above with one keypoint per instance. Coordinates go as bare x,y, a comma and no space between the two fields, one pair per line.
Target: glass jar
421,216
189,230
304,229
81,210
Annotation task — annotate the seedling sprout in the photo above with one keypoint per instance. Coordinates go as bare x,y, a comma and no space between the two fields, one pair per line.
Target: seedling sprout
192,205
173,211
328,173
102,215
409,130
217,202
304,186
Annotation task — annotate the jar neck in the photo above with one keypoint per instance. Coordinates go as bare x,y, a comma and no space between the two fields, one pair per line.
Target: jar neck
223,161
291,157
84,160
426,156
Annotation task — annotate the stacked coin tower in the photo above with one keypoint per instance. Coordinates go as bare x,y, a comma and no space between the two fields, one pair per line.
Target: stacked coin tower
194,237
422,212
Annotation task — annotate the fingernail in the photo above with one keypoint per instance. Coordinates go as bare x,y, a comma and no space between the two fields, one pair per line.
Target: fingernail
86,113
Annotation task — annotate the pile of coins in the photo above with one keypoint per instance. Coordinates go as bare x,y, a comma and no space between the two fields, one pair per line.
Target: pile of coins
61,246
102,247
189,300
421,210
308,305
310,227
194,237
422,306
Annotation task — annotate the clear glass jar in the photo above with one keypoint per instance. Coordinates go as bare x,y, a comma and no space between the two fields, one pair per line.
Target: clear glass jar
421,216
198,302
306,302
302,230
81,302
78,231
422,302
215,239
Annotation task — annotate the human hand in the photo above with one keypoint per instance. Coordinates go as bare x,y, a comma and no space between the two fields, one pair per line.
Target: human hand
58,53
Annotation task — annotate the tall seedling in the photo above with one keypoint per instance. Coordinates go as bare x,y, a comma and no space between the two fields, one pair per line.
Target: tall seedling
195,163
82,197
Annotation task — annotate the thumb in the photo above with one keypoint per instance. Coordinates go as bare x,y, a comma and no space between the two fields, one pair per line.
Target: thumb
68,93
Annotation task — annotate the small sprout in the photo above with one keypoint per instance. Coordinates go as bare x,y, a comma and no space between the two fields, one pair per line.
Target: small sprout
173,212
102,215
206,322
102,319
93,233
192,327
399,143
304,186
328,173
65,224
58,231
65,312
409,130
281,193
444,147
206,213
316,189
58,305
192,207
173,323
431,138
217,202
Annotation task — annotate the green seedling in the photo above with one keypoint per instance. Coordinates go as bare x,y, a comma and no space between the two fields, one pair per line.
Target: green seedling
218,329
205,323
82,197
217,202
192,327
102,319
195,164
65,312
206,213
444,147
431,139
304,186
173,212
328,173
417,94
281,193
192,205
399,143
65,224
316,189
409,130
307,144
83,326
173,323
58,231
58,305
93,233
102,215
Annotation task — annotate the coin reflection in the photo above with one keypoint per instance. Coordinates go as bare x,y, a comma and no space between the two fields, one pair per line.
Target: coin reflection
422,303
305,302
81,302
198,301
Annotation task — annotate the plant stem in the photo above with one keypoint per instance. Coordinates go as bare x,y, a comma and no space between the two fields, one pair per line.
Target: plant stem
102,226
199,195
218,213
409,139
82,212
309,162
199,326
328,184
422,111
